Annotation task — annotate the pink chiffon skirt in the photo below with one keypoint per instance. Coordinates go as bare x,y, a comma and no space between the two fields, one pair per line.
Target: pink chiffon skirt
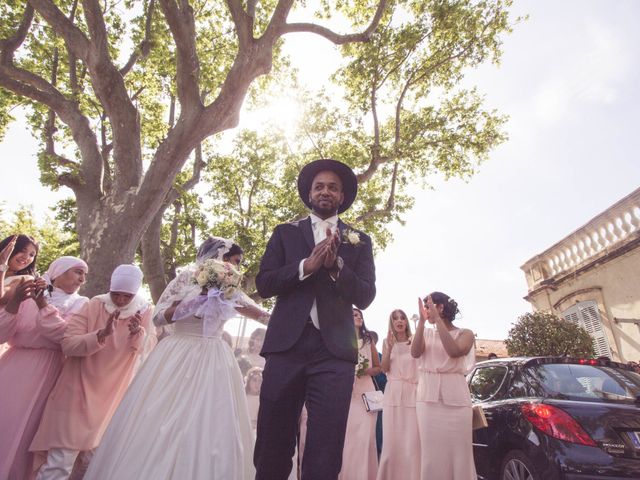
446,442
27,376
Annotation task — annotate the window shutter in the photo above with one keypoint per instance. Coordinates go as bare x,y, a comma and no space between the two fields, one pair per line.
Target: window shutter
587,315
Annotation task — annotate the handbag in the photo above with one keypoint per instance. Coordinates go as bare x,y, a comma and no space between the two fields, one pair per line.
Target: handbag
479,418
373,400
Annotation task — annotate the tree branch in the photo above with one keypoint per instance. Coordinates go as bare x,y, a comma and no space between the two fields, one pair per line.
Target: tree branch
391,200
243,23
251,8
29,85
73,60
336,38
111,91
182,26
50,129
75,39
197,170
8,46
173,239
142,51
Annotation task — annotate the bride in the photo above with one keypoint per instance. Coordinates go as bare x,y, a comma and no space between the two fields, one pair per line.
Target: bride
185,414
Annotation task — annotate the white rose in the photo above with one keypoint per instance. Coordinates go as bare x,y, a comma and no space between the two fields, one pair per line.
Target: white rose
202,278
219,268
353,238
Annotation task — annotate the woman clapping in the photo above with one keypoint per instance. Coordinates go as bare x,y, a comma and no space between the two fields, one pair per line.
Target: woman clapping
400,456
443,401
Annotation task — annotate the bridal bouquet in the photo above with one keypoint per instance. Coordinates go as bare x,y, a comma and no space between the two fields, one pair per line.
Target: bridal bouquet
362,365
220,275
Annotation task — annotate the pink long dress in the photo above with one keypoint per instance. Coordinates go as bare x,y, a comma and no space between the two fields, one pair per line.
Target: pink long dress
360,456
92,382
443,408
400,457
28,372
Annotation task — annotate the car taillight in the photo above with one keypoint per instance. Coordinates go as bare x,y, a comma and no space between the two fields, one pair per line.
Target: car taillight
556,423
591,361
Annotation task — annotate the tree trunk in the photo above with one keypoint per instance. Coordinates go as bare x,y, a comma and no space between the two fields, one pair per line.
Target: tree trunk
152,261
109,235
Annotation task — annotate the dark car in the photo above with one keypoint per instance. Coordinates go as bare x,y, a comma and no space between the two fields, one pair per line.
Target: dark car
556,419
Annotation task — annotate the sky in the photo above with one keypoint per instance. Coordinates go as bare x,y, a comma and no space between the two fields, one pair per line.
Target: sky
568,82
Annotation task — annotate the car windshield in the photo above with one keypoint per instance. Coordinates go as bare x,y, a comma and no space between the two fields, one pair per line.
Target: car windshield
585,382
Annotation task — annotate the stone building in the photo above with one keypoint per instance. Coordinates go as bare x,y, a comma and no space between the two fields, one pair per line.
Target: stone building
592,277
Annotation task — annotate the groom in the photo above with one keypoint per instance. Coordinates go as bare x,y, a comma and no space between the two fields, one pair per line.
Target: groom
317,268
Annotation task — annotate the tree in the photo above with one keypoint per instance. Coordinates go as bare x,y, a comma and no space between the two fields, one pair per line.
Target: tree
118,129
64,59
543,333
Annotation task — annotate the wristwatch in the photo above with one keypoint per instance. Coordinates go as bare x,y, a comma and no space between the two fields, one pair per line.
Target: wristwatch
4,267
339,263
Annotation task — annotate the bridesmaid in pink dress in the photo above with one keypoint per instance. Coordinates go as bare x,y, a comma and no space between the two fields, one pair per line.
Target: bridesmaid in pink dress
360,455
400,456
443,401
29,368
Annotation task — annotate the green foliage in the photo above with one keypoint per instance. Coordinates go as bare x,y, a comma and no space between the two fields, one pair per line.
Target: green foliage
50,235
543,333
184,222
400,117
252,190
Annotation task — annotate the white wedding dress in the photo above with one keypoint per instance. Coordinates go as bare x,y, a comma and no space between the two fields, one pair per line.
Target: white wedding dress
185,415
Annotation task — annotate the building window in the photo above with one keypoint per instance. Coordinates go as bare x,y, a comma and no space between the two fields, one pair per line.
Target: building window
587,315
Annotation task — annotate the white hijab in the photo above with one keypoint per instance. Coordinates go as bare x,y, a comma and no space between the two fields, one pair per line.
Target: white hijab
126,279
66,303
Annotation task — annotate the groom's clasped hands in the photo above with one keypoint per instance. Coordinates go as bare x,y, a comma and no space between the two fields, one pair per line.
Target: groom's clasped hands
324,254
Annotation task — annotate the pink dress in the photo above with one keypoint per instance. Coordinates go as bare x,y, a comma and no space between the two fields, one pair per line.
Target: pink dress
92,382
360,456
443,408
400,457
28,372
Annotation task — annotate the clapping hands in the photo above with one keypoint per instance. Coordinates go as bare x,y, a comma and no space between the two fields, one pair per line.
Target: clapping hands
134,324
391,340
108,328
324,253
428,311
8,250
27,289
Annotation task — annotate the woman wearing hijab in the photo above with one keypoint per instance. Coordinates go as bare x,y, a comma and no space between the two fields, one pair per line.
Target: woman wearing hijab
185,415
33,325
101,343
64,278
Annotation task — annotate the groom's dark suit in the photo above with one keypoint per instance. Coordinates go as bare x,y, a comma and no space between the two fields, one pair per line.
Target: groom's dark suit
304,364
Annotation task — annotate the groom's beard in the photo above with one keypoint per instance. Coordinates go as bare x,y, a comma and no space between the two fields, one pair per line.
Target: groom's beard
324,212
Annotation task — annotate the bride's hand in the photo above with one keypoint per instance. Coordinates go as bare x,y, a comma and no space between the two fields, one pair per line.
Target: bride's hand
168,313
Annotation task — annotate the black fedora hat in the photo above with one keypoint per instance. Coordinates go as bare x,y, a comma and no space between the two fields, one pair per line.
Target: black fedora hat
310,170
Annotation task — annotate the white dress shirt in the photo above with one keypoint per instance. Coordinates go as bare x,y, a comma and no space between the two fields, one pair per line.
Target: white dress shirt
319,227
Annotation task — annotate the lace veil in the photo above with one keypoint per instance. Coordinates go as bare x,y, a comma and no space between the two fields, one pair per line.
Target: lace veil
184,290
183,287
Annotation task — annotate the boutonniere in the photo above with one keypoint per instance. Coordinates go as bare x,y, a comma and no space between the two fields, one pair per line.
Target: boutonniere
351,237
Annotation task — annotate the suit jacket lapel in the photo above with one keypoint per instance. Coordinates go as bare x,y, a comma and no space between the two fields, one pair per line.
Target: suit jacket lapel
307,232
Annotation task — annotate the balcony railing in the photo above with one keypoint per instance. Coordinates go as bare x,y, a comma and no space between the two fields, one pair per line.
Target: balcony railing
606,232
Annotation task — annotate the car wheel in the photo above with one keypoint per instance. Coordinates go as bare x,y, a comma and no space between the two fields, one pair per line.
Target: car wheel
516,466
